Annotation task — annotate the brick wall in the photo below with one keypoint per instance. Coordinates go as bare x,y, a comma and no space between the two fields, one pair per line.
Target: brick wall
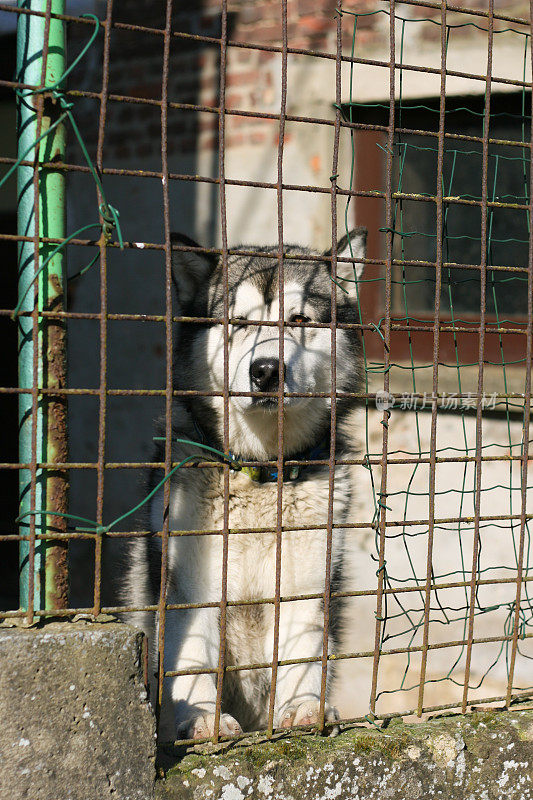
253,76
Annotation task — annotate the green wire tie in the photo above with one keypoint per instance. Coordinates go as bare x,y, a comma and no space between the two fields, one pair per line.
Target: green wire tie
377,328
109,214
404,235
386,149
336,282
76,60
372,722
233,461
100,530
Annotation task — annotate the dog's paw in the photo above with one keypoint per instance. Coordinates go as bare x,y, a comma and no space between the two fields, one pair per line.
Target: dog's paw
203,727
307,713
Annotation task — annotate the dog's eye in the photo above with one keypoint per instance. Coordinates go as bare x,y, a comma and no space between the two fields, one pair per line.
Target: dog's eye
300,318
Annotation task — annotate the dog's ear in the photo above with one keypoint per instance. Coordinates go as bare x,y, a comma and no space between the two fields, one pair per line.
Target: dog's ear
352,245
190,269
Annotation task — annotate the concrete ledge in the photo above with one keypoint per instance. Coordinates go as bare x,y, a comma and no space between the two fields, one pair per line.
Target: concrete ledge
484,756
75,722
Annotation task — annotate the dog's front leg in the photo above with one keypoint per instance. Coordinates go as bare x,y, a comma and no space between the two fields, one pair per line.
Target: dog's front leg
298,685
192,643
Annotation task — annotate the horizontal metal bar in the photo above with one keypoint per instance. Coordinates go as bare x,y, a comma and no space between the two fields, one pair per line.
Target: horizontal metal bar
445,326
456,9
287,257
285,528
392,591
289,117
444,397
265,185
144,29
345,724
347,656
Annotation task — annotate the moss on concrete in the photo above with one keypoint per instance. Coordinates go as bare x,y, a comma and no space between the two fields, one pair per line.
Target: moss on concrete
483,756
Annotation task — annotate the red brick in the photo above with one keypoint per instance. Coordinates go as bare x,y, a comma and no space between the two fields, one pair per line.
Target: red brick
244,56
313,24
259,34
239,122
236,140
251,13
244,78
367,23
327,7
209,143
258,137
208,124
266,56
286,139
209,81
234,100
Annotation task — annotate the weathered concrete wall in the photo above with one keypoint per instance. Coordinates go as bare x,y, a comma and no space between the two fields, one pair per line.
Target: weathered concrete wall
75,722
479,757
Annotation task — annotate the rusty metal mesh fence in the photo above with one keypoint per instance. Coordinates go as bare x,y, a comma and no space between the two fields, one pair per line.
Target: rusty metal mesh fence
448,512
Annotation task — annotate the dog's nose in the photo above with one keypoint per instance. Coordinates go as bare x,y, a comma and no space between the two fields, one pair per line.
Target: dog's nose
264,373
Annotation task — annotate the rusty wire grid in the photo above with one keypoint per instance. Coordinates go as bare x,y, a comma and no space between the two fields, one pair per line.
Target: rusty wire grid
407,592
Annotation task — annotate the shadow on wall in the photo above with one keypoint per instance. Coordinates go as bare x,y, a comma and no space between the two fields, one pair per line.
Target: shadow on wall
135,277
8,337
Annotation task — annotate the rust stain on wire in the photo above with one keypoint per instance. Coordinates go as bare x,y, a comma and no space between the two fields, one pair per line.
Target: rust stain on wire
224,261
382,522
525,440
481,358
436,348
102,392
281,378
162,605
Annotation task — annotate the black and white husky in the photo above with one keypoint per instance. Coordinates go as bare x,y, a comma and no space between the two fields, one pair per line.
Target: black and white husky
192,636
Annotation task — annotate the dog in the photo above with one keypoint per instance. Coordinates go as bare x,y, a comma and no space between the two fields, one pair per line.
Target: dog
195,562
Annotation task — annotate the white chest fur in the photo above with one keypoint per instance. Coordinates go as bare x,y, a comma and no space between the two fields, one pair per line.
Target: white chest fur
254,554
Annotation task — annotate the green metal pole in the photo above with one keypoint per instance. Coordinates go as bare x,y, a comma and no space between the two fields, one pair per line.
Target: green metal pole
41,212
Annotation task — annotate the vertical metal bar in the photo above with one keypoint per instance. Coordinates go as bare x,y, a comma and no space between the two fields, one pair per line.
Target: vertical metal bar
386,355
481,355
333,368
41,213
162,607
281,357
436,344
525,427
103,322
224,262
